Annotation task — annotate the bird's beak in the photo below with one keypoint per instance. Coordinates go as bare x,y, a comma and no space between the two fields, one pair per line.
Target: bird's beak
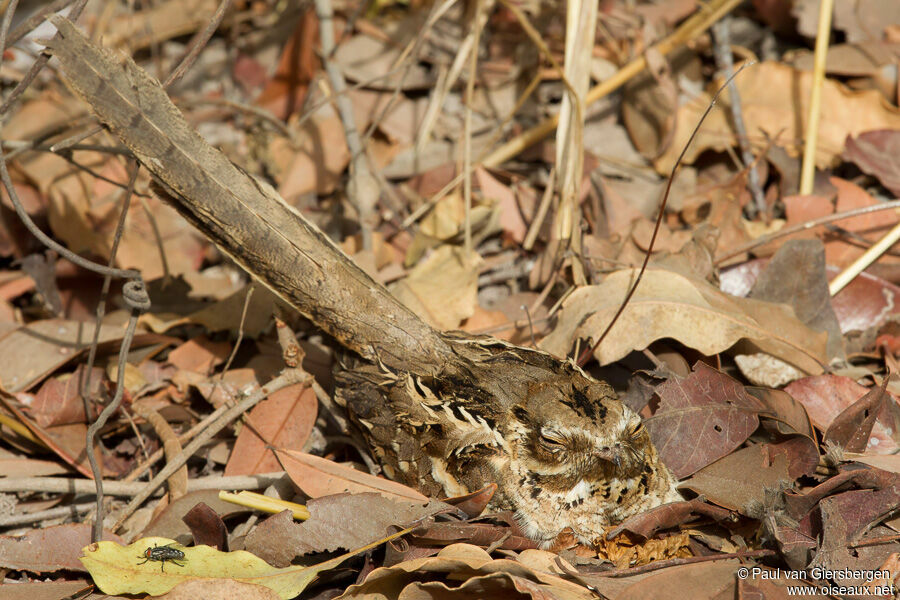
611,455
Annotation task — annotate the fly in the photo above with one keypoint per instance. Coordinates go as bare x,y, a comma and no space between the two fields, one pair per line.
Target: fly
163,554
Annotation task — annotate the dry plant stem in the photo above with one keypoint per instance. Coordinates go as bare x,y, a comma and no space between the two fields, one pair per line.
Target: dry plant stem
182,439
240,336
73,140
581,16
72,511
178,481
197,43
467,135
97,530
333,412
288,377
725,63
71,485
402,63
104,290
256,111
690,29
861,263
765,239
589,351
808,168
535,228
362,188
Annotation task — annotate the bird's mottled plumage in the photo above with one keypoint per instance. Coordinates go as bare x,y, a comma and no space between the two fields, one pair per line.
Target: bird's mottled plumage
563,450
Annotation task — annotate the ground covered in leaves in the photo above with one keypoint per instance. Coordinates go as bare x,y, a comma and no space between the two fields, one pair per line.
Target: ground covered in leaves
766,389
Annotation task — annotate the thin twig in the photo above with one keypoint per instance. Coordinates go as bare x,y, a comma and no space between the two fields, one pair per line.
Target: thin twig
72,511
478,8
104,290
808,168
362,188
765,239
725,63
197,44
79,486
183,438
868,257
240,336
41,61
286,378
34,20
136,287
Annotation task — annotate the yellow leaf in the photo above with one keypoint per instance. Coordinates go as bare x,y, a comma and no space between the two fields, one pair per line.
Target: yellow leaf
118,569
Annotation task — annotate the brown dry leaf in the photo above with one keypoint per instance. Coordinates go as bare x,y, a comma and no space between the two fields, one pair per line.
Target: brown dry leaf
317,165
285,419
826,396
700,419
851,429
796,276
219,589
481,577
18,466
670,305
505,199
402,120
789,415
199,355
739,480
860,20
49,549
446,220
701,581
340,521
59,401
774,99
286,90
318,476
878,154
673,514
845,517
867,301
442,289
841,252
222,315
207,527
650,99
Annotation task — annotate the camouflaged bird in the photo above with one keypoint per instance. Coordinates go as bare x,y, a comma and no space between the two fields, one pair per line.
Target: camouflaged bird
564,453
445,413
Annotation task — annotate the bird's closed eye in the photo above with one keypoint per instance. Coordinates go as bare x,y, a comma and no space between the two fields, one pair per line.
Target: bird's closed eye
552,440
636,430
